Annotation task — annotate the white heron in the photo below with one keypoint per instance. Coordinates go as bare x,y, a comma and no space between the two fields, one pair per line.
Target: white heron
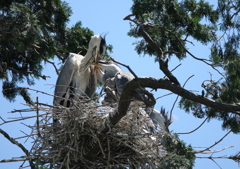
78,78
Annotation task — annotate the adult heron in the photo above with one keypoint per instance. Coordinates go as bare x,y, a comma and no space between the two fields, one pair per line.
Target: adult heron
77,78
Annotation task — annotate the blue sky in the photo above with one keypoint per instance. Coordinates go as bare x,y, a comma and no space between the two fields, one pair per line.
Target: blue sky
107,16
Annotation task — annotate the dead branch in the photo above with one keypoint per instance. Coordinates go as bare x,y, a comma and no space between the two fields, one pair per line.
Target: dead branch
217,151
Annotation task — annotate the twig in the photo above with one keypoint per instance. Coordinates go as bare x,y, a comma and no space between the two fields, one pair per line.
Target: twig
24,118
216,163
174,69
196,128
19,145
39,135
29,89
214,143
217,150
126,67
178,97
164,95
52,63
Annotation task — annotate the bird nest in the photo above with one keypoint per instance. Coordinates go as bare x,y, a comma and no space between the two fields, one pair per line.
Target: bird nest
77,140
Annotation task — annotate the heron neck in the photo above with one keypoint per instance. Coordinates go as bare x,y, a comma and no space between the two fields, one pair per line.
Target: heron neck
117,69
84,63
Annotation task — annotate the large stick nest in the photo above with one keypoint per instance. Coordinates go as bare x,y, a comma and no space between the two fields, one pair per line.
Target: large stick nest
77,142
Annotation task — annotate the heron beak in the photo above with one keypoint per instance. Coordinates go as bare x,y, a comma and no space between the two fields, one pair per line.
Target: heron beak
96,69
95,64
97,58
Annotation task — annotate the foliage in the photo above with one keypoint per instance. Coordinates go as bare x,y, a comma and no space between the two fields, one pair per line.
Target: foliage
31,34
173,24
179,155
173,19
28,31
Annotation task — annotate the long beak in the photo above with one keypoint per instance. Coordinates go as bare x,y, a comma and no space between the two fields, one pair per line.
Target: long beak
97,58
96,69
96,64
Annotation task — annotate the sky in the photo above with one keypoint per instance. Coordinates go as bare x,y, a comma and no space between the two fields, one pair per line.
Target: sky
107,16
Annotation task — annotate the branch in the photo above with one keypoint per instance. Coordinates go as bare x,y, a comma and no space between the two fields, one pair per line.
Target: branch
35,49
195,128
207,149
126,67
177,99
18,144
168,85
217,151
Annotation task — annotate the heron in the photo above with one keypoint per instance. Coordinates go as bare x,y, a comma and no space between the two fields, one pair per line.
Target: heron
160,118
77,78
114,79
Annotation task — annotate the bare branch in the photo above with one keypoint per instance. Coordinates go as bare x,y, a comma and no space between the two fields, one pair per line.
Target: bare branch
207,149
126,67
17,144
217,151
195,128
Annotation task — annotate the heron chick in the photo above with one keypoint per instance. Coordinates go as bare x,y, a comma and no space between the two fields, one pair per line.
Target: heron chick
113,78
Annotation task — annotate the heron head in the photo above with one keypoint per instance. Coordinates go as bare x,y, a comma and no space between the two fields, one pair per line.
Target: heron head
98,45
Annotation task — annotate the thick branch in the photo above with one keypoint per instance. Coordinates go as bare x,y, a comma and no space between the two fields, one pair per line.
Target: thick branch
168,85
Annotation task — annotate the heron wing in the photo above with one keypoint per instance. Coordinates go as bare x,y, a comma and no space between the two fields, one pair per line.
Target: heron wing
157,118
64,81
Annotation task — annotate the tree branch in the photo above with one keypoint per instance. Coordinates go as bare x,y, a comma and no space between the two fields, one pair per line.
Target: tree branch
19,145
177,38
168,85
195,128
214,143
